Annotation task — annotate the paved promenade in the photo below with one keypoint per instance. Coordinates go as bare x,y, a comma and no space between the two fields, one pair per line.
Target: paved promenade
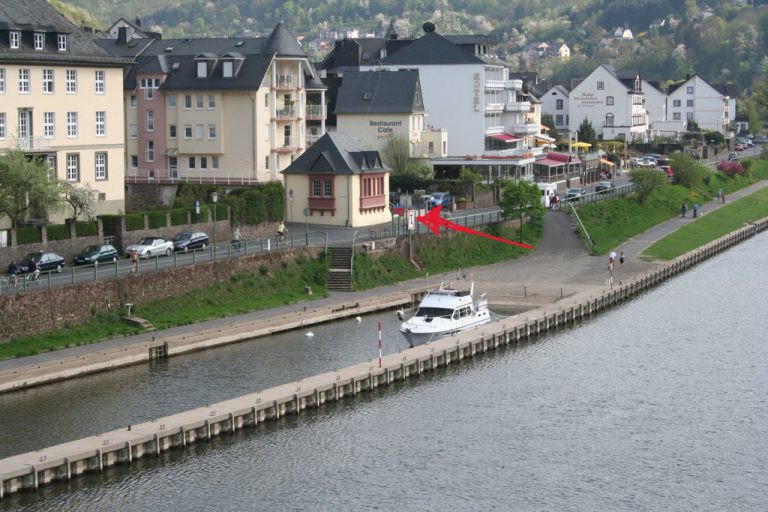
559,267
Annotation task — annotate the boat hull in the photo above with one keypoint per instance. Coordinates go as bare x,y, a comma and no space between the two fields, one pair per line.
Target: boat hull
416,336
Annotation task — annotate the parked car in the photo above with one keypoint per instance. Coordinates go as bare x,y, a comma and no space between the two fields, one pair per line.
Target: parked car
665,169
96,254
733,156
760,139
44,260
443,199
603,187
150,246
188,241
574,194
739,147
643,161
744,142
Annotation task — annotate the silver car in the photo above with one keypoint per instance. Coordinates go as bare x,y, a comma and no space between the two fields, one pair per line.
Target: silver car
150,246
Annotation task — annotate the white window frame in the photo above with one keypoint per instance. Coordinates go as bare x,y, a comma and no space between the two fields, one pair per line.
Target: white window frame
228,69
2,80
132,101
99,81
50,162
187,102
198,101
134,162
14,40
133,131
24,81
3,124
101,123
202,69
49,125
211,101
71,75
173,131
150,151
191,162
187,132
199,131
150,121
609,100
689,89
215,163
61,42
211,132
48,83
100,166
171,98
39,40
203,162
71,125
73,167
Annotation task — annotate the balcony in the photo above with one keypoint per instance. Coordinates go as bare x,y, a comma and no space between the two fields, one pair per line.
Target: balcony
494,84
322,203
373,202
289,146
526,128
494,130
34,143
173,175
316,112
494,107
286,83
515,85
517,106
285,114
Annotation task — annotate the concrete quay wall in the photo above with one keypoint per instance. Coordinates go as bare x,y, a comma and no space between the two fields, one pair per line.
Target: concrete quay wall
64,461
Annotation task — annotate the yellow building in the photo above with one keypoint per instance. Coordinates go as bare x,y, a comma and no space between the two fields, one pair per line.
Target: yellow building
61,99
338,183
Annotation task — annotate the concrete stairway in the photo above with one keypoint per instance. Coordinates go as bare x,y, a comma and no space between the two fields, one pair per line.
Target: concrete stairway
340,274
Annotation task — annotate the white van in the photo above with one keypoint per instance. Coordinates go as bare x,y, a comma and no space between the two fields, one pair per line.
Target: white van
547,190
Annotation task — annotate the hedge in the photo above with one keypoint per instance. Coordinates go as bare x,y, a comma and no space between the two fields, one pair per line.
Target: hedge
109,223
86,228
157,219
134,221
28,235
179,216
57,232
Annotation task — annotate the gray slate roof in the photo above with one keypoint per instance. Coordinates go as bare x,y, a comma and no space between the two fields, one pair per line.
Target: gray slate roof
431,48
29,16
387,92
336,153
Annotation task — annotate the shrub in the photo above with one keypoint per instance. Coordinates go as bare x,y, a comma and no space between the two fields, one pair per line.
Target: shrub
179,216
57,232
28,235
263,270
86,228
156,219
134,221
730,169
109,222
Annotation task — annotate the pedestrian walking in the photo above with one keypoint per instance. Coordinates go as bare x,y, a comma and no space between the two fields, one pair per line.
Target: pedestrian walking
684,209
695,210
134,260
621,260
720,195
13,269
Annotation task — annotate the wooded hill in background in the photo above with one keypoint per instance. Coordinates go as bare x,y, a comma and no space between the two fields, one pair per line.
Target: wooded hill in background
725,42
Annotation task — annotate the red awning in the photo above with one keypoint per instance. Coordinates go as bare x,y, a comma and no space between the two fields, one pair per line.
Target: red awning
549,162
505,138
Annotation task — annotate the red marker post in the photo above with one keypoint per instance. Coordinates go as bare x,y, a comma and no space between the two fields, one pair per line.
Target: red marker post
379,343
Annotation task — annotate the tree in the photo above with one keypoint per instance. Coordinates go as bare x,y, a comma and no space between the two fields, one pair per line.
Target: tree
396,154
587,133
549,121
688,172
646,181
755,126
25,186
81,199
521,199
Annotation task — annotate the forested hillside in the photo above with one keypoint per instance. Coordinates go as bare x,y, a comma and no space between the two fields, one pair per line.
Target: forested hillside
724,42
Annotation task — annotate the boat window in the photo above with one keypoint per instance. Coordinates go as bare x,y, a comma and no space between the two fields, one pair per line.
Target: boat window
434,312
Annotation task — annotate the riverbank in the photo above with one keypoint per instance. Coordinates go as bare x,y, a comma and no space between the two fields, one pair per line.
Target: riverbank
62,462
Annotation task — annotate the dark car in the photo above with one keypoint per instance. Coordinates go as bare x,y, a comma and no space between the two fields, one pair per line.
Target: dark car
97,254
45,261
189,241
603,187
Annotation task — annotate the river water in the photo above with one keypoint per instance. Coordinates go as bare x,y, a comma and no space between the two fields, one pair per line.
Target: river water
659,404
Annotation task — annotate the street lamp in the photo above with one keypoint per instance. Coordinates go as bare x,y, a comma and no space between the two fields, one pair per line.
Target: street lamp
215,199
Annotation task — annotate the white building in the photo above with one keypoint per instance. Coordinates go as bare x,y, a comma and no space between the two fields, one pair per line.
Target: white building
612,103
697,100
555,102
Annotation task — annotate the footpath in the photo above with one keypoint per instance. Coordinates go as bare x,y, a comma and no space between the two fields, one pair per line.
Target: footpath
559,267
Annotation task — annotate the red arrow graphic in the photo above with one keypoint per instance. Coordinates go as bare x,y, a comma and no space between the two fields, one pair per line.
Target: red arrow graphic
433,221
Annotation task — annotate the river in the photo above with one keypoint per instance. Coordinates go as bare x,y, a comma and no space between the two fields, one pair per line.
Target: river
659,404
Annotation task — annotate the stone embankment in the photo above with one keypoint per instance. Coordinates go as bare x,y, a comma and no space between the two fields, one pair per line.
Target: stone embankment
62,462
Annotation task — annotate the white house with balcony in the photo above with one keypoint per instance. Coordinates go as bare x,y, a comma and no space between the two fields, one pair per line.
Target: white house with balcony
612,102
555,102
695,99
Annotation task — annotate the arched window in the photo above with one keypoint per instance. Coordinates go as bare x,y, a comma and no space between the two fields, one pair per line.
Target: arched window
608,119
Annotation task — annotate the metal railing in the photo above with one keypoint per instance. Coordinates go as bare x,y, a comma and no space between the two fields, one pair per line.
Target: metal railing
221,251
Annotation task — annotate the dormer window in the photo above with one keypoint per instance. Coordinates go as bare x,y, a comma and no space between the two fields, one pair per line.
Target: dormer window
14,40
202,70
39,41
61,41
228,69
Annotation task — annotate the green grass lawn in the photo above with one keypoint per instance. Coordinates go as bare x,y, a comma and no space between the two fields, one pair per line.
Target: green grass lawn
711,226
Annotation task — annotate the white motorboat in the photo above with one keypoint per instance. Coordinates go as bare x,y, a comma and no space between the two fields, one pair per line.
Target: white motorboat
444,311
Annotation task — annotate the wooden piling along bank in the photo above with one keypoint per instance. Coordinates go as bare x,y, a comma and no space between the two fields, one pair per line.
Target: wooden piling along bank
61,462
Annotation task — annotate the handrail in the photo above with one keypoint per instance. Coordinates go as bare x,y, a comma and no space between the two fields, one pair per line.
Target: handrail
573,209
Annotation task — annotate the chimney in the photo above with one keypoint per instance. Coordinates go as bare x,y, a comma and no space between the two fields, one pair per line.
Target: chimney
122,35
137,21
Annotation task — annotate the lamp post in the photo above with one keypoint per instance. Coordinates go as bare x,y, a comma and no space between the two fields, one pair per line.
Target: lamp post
215,199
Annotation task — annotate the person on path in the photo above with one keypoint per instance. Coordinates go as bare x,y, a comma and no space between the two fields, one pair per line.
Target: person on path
684,209
722,196
12,271
134,260
281,231
695,210
621,260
